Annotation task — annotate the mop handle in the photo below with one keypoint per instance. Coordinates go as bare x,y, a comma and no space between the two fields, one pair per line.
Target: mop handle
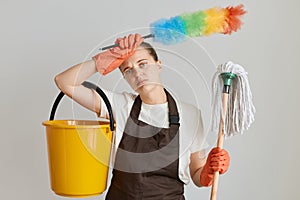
225,96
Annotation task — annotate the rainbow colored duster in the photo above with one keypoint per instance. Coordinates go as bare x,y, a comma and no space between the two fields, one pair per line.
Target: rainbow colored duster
200,23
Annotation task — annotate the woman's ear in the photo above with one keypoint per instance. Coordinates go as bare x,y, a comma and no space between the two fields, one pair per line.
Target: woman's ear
159,64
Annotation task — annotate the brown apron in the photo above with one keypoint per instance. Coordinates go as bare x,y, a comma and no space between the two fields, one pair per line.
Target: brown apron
147,159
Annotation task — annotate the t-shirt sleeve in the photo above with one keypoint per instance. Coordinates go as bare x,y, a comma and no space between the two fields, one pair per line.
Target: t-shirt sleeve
199,140
104,110
120,102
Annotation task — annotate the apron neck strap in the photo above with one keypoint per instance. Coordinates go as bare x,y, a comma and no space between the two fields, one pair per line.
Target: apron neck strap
173,111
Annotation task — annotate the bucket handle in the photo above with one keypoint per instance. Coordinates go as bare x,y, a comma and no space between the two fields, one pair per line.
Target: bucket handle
99,91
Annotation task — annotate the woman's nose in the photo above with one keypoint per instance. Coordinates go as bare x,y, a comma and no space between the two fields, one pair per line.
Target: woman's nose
137,72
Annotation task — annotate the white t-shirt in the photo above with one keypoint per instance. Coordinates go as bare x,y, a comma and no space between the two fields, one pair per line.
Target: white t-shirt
191,136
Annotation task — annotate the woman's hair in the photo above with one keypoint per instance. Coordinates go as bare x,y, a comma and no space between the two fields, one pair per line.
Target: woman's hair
150,50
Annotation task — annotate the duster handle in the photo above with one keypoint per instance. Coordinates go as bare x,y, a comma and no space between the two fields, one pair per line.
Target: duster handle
115,45
214,189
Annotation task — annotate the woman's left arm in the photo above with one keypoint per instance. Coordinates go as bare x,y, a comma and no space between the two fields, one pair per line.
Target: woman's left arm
197,161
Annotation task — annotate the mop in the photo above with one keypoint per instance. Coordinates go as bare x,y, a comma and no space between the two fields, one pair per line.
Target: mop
233,111
195,24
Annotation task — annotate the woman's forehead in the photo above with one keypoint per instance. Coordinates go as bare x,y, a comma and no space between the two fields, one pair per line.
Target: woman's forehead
139,54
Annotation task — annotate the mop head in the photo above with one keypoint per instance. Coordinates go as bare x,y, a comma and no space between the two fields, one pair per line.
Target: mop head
200,23
240,112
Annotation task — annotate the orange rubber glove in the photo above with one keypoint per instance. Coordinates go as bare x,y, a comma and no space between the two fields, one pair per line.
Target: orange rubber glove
217,161
112,58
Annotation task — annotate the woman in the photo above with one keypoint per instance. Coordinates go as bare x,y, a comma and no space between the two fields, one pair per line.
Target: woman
159,138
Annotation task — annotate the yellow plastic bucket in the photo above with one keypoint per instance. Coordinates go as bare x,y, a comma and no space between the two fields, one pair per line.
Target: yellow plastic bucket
79,152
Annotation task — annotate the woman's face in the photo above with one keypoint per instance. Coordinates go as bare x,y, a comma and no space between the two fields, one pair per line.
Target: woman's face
141,71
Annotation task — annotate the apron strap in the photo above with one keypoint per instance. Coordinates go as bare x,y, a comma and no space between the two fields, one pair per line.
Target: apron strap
173,112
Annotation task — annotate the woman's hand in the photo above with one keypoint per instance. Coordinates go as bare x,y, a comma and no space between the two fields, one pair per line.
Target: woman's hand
126,45
111,59
218,160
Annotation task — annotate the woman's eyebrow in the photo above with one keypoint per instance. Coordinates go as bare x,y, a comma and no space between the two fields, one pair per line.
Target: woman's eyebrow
123,70
136,62
141,60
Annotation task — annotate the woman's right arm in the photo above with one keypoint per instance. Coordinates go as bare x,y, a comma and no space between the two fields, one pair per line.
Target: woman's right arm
70,80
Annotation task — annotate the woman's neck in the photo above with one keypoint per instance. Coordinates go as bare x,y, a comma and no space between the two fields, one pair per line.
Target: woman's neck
156,95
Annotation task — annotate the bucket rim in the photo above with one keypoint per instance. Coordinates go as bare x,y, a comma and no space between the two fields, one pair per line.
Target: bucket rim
73,124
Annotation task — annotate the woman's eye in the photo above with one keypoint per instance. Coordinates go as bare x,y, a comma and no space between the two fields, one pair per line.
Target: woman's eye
143,64
128,71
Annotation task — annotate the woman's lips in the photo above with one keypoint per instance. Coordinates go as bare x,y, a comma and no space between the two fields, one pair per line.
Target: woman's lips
141,82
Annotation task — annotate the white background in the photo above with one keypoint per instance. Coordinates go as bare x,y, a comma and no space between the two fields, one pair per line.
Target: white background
39,39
